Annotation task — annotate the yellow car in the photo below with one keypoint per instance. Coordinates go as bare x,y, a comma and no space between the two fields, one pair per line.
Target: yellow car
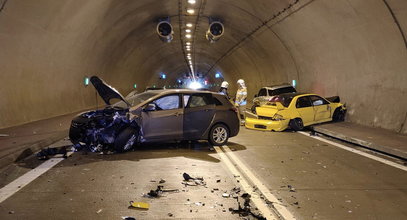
295,110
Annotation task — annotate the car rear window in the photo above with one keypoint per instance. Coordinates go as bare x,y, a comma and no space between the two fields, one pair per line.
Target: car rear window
284,100
281,91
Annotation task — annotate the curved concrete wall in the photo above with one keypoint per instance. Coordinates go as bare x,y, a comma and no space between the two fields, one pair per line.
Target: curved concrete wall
350,48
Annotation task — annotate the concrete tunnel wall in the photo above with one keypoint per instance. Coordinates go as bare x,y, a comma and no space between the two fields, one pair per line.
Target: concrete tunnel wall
350,48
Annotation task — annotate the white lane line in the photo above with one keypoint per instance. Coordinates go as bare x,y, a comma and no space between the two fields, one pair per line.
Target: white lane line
258,202
281,209
387,162
25,179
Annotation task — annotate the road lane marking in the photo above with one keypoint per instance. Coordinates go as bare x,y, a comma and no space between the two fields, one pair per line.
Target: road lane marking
281,209
225,153
379,159
25,179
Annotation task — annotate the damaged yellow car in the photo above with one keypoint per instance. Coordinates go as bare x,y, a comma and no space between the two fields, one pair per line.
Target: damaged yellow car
295,111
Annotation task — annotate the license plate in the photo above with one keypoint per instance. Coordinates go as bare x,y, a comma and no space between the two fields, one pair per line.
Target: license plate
260,126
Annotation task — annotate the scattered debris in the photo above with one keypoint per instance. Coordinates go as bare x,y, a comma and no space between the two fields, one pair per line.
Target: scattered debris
218,180
99,211
4,135
11,212
128,218
246,209
170,214
193,181
225,195
139,205
162,181
159,191
45,153
292,189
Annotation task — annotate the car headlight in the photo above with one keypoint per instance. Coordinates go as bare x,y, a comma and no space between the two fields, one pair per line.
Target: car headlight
277,117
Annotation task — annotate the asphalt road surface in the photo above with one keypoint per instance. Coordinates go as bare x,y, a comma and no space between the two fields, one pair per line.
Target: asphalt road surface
288,175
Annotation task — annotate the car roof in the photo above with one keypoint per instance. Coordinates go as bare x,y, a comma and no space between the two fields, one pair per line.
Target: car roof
292,95
278,86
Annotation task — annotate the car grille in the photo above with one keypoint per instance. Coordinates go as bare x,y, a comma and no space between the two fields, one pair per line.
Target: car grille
265,118
260,126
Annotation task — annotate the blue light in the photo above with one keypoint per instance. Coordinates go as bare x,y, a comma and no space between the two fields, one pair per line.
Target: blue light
294,83
217,75
163,76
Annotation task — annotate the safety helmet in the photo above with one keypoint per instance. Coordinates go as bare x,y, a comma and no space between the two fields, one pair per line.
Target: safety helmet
224,84
240,82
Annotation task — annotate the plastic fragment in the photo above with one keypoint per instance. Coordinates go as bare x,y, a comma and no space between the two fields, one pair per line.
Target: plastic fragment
139,205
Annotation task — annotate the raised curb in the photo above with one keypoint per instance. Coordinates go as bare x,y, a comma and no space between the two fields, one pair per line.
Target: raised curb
364,143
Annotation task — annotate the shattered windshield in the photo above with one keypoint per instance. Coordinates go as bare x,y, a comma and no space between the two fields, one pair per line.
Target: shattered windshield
284,99
136,99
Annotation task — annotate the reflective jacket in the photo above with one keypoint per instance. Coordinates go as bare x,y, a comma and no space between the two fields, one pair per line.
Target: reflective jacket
241,96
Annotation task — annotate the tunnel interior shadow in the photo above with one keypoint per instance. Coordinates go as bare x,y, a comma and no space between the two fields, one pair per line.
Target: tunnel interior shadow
196,150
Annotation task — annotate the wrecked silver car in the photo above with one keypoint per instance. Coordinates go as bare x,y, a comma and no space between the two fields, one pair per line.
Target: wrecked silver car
154,116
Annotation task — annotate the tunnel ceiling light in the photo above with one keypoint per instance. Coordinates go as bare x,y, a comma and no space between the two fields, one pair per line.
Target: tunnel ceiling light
188,49
188,36
190,11
188,43
191,2
189,25
188,30
189,54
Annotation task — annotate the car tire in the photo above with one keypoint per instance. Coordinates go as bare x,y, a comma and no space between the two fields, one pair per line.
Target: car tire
339,115
253,109
219,135
126,139
296,124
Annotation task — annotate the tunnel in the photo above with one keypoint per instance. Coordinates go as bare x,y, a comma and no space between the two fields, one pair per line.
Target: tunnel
354,49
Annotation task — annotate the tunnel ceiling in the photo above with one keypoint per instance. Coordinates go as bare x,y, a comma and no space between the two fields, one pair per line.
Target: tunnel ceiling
350,48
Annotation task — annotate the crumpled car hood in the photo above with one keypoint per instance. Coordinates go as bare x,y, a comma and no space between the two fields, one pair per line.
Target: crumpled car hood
106,91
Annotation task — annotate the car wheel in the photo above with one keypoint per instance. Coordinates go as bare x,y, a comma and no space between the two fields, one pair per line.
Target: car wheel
219,135
296,124
339,115
125,140
253,109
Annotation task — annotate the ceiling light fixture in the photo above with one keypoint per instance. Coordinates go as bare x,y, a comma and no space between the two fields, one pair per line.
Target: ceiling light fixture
188,43
192,1
189,25
190,11
188,36
188,30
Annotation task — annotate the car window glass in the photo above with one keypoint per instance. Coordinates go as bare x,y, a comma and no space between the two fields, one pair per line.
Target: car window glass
216,101
281,91
262,92
197,100
167,102
186,98
316,100
303,102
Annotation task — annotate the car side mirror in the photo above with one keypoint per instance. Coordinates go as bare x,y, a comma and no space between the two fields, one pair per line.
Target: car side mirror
148,108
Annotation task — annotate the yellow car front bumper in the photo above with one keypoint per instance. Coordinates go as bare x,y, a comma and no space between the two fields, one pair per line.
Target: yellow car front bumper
266,125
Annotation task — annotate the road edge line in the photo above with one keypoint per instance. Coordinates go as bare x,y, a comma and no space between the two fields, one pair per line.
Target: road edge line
379,159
